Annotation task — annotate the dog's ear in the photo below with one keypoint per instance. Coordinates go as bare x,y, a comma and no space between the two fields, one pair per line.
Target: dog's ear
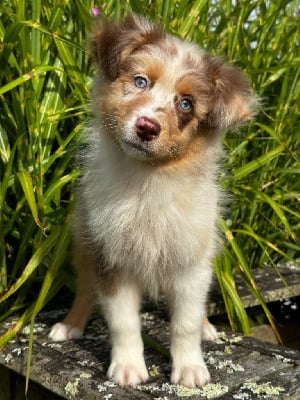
112,43
234,102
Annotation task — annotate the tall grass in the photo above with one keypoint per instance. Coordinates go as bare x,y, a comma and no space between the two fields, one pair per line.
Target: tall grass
45,80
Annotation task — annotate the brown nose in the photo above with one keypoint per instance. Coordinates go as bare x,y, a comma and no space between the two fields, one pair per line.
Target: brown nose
147,129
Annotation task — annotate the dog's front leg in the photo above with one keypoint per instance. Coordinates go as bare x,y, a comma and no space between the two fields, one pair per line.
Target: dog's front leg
187,303
127,367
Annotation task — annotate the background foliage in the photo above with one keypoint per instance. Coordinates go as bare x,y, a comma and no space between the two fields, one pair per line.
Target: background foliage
45,79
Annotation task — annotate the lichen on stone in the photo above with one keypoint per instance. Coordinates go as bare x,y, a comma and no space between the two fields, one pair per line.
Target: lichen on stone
209,391
154,370
103,387
214,390
71,388
283,359
216,359
263,389
227,350
38,328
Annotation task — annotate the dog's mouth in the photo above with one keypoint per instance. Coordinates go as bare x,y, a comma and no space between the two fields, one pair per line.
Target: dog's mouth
137,150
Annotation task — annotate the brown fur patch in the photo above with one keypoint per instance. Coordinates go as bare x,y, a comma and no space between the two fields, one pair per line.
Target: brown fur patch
86,287
234,102
111,43
93,275
109,280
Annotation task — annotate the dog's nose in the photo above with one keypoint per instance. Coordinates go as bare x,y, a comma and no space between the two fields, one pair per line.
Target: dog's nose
147,129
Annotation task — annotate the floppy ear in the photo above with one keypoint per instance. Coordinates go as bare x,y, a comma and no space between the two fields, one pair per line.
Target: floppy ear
112,43
234,102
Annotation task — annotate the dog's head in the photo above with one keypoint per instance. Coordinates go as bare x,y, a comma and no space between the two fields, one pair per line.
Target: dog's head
162,98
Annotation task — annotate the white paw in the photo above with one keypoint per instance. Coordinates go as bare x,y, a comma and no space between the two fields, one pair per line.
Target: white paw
209,332
190,376
61,332
126,374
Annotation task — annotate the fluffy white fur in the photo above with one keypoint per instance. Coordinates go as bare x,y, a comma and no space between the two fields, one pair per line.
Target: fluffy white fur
146,209
154,223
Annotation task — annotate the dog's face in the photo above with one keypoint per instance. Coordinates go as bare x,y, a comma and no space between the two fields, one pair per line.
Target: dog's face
163,99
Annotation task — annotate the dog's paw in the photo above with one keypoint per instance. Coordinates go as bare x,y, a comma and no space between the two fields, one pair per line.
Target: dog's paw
128,374
61,332
190,376
209,332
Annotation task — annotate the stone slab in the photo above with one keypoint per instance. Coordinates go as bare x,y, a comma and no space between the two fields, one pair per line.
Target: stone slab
241,368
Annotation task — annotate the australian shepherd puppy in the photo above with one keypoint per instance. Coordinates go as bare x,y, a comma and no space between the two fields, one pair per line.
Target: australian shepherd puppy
147,202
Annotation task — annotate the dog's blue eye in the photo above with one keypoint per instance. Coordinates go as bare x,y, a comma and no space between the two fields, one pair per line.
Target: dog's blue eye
140,82
185,104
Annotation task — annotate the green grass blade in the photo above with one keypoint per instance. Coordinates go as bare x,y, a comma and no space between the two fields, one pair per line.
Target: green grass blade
27,186
71,67
57,259
11,333
26,77
4,145
279,212
192,18
254,165
59,184
48,244
229,286
247,275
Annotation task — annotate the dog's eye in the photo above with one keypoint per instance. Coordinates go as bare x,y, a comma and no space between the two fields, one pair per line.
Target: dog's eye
140,82
185,104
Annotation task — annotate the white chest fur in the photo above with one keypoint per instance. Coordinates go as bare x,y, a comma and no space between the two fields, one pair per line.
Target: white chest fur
146,218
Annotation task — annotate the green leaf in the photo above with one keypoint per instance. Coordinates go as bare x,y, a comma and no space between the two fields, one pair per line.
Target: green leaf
27,186
4,145
37,258
57,259
230,289
254,165
279,212
247,275
26,77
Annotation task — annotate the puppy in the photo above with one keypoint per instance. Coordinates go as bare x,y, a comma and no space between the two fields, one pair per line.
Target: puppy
147,203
